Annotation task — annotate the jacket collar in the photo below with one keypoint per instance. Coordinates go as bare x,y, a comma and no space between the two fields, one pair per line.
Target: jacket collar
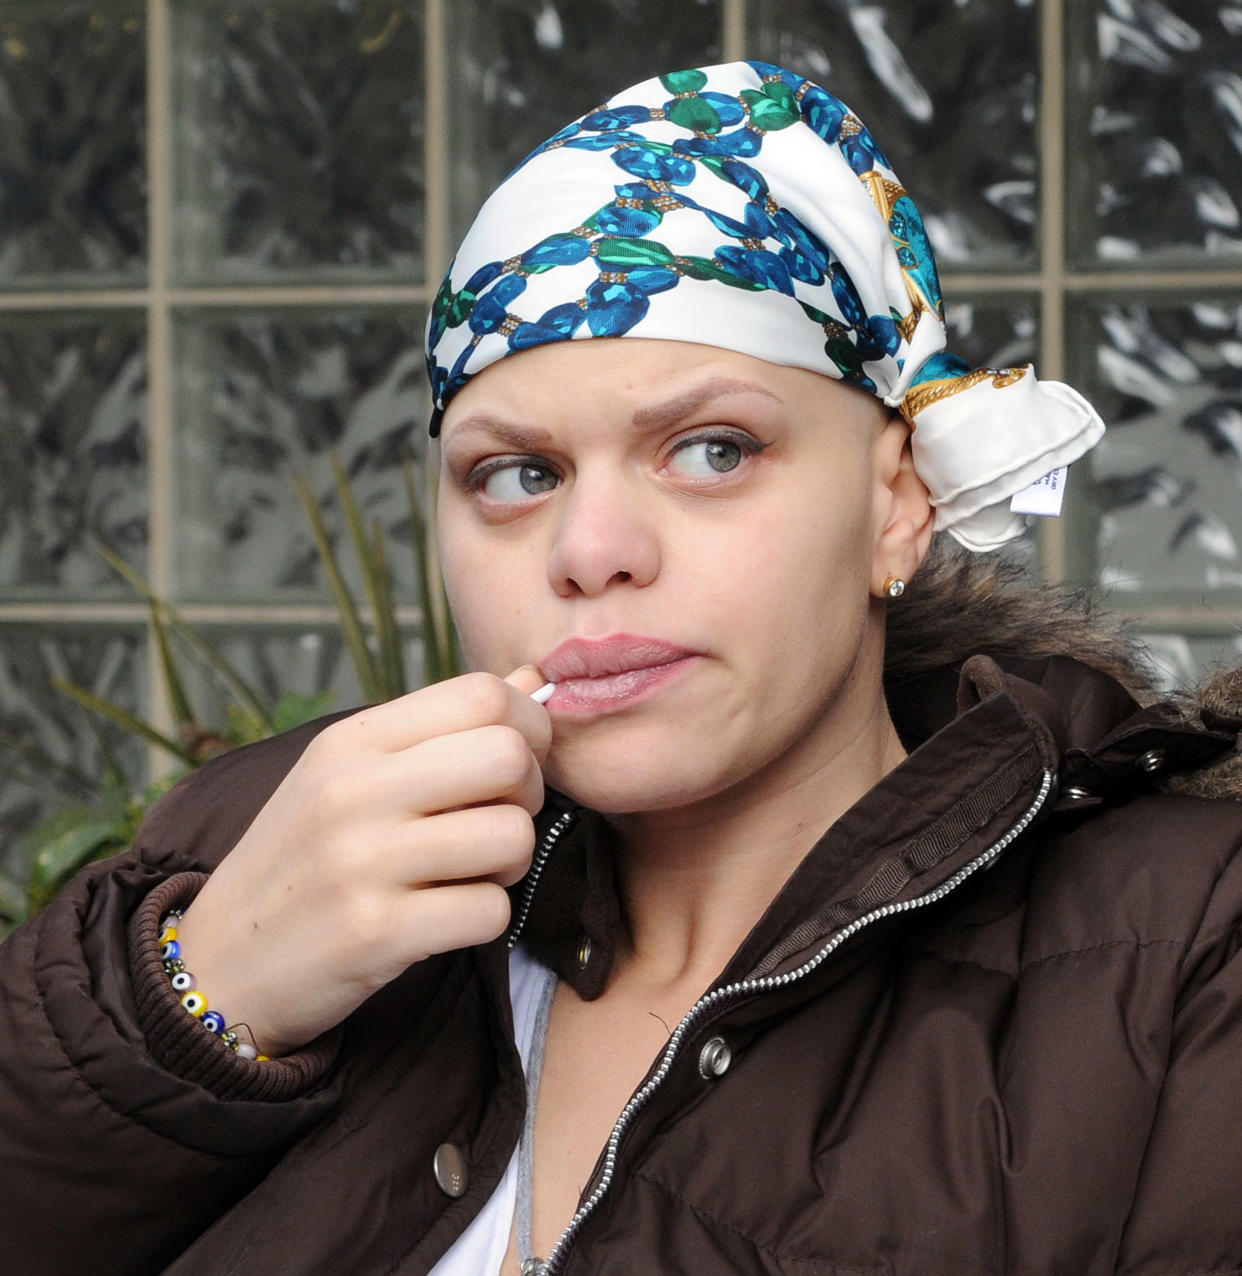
982,739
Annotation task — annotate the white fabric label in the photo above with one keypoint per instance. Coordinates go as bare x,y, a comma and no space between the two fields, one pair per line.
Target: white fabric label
1044,496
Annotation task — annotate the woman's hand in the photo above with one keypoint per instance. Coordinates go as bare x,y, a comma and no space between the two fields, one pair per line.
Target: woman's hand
392,838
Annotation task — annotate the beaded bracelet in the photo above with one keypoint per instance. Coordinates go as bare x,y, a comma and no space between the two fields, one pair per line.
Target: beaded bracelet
186,987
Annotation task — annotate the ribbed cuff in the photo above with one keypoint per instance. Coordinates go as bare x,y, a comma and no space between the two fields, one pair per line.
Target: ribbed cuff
182,1044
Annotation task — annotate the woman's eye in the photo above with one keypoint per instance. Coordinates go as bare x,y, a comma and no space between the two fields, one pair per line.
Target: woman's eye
518,481
704,458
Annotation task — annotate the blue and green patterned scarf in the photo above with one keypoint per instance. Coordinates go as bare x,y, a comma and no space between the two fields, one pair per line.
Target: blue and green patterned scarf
742,206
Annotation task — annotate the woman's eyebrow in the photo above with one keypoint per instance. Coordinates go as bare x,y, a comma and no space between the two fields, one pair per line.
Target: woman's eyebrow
673,410
517,438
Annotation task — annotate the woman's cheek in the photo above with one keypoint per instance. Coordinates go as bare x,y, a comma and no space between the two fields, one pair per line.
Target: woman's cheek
488,618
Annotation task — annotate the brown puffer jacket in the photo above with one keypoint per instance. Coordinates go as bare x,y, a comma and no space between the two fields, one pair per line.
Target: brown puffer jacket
992,1024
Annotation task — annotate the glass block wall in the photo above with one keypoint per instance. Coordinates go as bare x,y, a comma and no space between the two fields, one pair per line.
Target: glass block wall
221,224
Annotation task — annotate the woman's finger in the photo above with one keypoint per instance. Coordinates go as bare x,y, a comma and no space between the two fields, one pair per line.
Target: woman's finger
449,917
487,764
478,842
443,708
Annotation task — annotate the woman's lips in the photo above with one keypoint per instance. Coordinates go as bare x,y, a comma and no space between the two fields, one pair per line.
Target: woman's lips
604,674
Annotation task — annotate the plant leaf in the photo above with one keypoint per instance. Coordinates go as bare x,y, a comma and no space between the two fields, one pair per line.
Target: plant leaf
66,842
362,551
293,709
178,701
14,907
433,662
241,691
122,718
391,655
351,623
44,762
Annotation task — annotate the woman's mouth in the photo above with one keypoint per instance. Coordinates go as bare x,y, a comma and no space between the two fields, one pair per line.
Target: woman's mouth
602,675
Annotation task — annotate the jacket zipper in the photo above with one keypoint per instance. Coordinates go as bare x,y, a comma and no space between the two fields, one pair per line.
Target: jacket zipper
558,828
720,997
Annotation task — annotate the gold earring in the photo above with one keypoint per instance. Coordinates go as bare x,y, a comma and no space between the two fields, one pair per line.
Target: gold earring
894,586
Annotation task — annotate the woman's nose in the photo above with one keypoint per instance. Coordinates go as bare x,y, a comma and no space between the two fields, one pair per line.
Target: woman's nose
604,537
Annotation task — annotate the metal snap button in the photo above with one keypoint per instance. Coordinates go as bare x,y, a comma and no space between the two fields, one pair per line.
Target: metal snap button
1150,761
450,1168
584,952
714,1059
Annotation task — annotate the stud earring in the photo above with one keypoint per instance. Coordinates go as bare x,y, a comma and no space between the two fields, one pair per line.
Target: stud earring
894,586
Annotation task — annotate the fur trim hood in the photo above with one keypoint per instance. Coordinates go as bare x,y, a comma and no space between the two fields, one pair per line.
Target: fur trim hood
961,605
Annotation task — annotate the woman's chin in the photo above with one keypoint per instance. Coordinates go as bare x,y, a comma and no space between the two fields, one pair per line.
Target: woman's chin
639,780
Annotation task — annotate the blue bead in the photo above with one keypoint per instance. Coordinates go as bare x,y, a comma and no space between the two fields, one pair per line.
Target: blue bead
614,308
728,108
742,141
630,222
604,141
213,1021
651,279
846,296
492,309
557,250
642,161
761,267
877,337
823,113
483,276
616,117
171,950
729,225
745,178
566,318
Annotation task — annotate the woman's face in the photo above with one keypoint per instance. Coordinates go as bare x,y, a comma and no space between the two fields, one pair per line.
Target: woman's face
687,541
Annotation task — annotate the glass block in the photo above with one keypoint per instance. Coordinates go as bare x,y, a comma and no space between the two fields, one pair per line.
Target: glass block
524,68
68,745
266,396
298,140
1155,120
276,660
73,451
73,200
950,92
1183,661
1166,481
994,332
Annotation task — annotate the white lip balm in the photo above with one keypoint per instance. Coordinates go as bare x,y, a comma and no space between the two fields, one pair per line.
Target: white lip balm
544,694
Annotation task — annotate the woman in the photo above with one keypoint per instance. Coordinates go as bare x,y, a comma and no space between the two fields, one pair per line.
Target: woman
830,957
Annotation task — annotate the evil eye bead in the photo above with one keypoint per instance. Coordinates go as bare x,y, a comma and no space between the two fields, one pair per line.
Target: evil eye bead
183,981
170,950
167,934
195,1003
213,1021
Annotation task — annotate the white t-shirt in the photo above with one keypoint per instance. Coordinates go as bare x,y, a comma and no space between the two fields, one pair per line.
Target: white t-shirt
481,1248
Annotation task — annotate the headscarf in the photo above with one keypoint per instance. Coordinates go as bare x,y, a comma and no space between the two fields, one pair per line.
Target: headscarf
742,206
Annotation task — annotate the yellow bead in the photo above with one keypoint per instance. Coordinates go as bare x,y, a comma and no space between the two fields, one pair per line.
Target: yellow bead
167,934
195,1003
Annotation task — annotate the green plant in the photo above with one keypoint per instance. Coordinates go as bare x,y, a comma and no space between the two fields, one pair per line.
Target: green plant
107,820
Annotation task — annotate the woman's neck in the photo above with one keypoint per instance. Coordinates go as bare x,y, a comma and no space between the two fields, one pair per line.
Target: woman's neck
695,880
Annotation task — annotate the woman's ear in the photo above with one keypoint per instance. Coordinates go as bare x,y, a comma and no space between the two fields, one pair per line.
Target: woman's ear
905,515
